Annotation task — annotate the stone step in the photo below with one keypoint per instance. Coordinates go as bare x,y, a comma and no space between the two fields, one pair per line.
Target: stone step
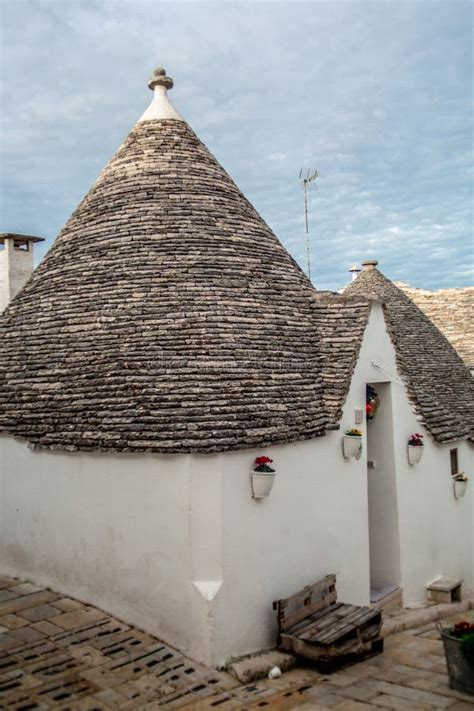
389,603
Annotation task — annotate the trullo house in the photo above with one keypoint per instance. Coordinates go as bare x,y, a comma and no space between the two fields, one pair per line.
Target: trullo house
164,343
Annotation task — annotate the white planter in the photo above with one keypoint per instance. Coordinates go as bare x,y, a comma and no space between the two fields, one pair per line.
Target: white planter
351,446
414,454
459,488
262,483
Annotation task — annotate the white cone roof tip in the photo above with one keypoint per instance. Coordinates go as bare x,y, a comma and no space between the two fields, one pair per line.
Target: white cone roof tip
160,107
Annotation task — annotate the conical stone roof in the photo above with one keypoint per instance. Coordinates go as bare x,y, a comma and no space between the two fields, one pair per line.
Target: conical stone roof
437,381
452,311
166,317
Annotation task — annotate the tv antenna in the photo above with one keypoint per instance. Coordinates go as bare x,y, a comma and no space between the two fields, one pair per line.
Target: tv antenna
307,183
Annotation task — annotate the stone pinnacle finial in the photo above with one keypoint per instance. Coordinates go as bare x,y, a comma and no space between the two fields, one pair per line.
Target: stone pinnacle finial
159,78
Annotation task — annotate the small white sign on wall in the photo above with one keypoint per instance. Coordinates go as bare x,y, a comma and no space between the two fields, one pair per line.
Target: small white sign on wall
358,415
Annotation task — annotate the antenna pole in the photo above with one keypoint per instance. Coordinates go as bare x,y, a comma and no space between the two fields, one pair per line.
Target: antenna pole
307,182
308,250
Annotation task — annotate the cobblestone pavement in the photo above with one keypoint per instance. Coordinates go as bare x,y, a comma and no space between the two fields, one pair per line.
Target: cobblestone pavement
56,652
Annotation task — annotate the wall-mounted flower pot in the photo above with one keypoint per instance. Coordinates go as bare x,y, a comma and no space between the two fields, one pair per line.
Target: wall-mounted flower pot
459,488
351,446
414,454
262,483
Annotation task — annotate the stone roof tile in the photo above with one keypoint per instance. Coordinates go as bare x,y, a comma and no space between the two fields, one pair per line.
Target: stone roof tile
341,323
452,311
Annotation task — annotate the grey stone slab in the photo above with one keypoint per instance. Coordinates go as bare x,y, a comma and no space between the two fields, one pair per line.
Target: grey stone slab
7,594
26,635
358,692
6,581
25,589
25,601
47,628
410,694
399,704
78,618
8,642
66,604
12,622
38,613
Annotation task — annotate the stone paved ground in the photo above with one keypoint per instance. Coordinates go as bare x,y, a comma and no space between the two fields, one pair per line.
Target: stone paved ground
58,653
410,675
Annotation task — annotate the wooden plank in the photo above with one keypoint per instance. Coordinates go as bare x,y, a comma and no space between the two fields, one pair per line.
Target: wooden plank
310,651
333,634
332,621
286,642
288,620
358,621
358,616
334,615
354,645
347,624
312,630
305,602
332,656
338,634
295,607
322,619
370,633
299,647
298,598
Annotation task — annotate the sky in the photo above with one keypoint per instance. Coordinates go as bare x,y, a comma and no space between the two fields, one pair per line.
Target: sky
375,95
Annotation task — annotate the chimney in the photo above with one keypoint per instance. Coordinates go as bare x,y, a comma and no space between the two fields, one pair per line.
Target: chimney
355,271
369,264
16,264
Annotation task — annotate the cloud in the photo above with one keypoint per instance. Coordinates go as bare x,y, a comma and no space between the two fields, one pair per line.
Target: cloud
373,94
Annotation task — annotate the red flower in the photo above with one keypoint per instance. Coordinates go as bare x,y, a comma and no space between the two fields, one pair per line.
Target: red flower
260,461
368,408
464,626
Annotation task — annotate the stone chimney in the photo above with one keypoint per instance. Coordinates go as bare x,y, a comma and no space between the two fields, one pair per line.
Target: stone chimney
16,264
369,264
355,271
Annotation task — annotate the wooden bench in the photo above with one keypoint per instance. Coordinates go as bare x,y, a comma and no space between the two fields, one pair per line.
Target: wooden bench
313,624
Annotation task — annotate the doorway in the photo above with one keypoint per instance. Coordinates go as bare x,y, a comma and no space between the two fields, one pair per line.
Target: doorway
384,539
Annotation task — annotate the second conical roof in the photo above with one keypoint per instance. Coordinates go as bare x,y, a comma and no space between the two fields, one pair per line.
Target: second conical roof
437,381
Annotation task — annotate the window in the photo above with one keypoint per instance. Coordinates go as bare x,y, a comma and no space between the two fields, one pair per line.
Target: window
21,244
453,455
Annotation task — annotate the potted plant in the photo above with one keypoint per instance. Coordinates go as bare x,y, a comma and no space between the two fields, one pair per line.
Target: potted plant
263,476
415,448
460,484
458,642
352,443
372,402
